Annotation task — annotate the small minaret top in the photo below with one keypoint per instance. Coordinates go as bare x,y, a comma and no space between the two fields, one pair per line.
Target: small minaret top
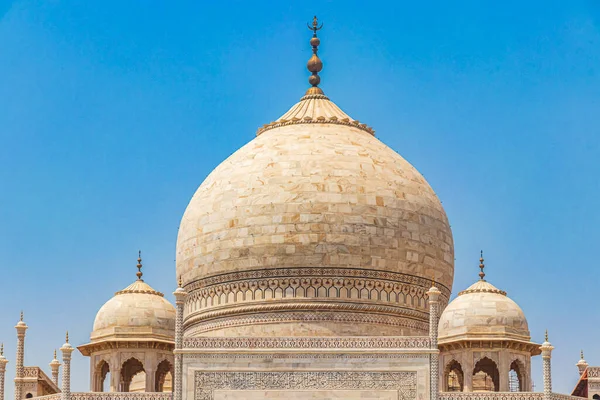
582,364
481,266
21,325
314,65
3,360
54,363
139,266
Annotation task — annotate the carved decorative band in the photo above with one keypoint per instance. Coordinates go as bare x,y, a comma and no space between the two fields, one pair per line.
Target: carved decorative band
324,284
304,306
320,272
417,342
332,317
404,383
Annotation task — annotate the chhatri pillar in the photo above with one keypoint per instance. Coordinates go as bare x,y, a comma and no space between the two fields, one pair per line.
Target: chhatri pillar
434,296
547,348
3,362
180,295
66,351
54,367
21,328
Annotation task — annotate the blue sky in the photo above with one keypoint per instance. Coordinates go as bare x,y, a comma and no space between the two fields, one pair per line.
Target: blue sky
112,113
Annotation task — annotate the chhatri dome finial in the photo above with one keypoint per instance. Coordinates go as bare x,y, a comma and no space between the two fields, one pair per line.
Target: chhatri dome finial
314,65
546,336
2,349
481,266
21,318
582,354
139,266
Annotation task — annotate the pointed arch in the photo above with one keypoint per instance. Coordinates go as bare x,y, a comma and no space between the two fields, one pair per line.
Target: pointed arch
453,377
163,375
129,369
516,376
486,377
101,372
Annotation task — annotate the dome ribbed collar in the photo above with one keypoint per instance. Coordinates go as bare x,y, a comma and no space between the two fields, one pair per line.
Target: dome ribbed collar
482,286
139,286
315,109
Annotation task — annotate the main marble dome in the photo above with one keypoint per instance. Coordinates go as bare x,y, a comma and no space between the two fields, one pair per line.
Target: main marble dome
313,228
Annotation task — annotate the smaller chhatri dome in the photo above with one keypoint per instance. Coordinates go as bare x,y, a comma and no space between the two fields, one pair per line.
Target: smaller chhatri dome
137,310
483,312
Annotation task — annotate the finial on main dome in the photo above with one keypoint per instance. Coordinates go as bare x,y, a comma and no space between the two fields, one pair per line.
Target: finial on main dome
314,65
481,266
139,266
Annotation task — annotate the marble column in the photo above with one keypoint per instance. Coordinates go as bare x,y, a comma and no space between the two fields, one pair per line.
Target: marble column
434,296
21,328
468,371
66,351
115,374
546,358
54,367
3,362
180,295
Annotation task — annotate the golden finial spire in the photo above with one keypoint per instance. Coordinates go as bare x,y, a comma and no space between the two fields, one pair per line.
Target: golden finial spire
546,336
55,354
314,65
67,339
582,354
180,282
1,349
21,318
481,266
139,266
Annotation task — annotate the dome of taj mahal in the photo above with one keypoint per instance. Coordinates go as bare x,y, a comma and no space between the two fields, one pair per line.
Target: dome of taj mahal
136,311
315,227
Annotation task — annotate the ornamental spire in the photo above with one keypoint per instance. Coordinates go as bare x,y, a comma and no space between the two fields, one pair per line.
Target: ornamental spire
314,65
139,266
481,266
2,349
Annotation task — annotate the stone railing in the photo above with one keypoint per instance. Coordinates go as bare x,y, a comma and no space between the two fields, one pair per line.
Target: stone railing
503,396
122,396
55,396
557,396
491,396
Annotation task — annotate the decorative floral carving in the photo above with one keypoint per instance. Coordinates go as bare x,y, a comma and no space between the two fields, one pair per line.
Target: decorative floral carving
417,342
403,382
